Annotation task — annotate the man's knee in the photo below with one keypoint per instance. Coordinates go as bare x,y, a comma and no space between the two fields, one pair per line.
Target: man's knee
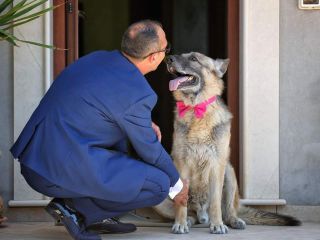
162,181
162,196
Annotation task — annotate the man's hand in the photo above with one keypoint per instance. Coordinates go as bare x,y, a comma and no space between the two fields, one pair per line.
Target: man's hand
181,199
157,131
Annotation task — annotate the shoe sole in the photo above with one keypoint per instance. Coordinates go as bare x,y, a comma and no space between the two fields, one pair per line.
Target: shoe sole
57,214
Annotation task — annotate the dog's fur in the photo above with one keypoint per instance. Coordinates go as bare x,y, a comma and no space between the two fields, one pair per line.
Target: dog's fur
201,153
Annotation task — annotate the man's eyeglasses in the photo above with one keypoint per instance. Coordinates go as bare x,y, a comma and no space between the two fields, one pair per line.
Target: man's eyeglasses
166,50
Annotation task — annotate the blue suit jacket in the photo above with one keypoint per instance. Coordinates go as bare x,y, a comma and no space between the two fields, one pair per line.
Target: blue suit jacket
76,138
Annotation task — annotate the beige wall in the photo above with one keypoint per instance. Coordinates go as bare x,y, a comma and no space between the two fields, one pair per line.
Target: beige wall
259,59
299,104
29,85
6,120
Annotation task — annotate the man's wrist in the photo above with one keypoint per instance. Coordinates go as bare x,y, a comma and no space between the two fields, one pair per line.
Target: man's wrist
176,189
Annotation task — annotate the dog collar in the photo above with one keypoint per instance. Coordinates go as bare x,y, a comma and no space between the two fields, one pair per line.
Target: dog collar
199,109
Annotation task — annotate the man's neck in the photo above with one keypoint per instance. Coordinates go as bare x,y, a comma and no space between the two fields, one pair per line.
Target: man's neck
138,63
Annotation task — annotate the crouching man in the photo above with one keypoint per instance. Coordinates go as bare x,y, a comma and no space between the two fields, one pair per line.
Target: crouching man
74,147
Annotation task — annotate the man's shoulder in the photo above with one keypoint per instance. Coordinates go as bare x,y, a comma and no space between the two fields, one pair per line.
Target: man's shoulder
100,55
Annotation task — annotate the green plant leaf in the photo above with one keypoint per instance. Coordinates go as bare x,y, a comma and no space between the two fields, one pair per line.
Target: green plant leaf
9,15
38,14
8,37
33,16
12,19
5,4
15,8
21,22
19,10
13,39
28,9
37,44
10,41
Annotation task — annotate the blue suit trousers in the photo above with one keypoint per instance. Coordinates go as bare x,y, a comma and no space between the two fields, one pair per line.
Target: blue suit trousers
155,189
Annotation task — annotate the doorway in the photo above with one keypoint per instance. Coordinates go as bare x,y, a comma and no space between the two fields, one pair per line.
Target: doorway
207,26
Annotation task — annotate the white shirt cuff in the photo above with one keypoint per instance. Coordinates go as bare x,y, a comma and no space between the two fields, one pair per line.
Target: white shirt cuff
173,191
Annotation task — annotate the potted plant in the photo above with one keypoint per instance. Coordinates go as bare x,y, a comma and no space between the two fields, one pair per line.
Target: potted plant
2,218
22,12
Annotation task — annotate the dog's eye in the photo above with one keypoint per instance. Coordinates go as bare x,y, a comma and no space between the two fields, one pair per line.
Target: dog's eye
194,59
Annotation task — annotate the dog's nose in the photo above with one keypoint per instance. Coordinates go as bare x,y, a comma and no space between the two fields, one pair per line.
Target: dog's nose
169,59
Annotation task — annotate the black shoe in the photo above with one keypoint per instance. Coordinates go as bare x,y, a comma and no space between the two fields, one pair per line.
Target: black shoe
70,219
111,225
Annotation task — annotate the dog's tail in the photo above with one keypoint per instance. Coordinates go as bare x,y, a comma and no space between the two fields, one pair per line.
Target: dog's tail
258,217
166,209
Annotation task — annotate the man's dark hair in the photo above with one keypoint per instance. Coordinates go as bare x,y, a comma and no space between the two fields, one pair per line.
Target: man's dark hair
141,38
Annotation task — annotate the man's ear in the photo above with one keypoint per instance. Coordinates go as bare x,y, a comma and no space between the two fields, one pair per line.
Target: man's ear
221,66
151,58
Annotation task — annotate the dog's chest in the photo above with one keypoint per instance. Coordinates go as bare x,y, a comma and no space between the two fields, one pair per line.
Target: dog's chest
202,143
197,136
198,195
204,134
195,131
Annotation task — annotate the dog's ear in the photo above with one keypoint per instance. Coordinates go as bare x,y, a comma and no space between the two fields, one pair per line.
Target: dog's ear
221,66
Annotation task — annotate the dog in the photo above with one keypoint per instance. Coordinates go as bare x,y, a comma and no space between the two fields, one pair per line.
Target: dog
201,150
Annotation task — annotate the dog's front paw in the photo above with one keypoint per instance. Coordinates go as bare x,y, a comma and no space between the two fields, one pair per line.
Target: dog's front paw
237,223
180,228
218,228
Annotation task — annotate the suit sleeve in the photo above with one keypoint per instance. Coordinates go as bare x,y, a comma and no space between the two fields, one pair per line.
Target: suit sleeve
136,123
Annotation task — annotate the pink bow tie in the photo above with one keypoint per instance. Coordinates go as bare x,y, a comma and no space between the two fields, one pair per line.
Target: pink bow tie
199,109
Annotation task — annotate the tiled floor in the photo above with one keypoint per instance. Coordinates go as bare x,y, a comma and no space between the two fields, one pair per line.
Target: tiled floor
47,231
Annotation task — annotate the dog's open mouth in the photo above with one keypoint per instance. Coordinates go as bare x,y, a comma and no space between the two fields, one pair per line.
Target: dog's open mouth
183,79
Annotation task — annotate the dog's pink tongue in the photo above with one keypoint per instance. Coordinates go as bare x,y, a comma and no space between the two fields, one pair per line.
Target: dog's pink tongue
173,84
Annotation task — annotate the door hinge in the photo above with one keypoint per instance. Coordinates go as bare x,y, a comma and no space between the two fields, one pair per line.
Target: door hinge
69,7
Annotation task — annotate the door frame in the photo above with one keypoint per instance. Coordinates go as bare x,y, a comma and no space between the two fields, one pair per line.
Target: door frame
65,34
233,96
